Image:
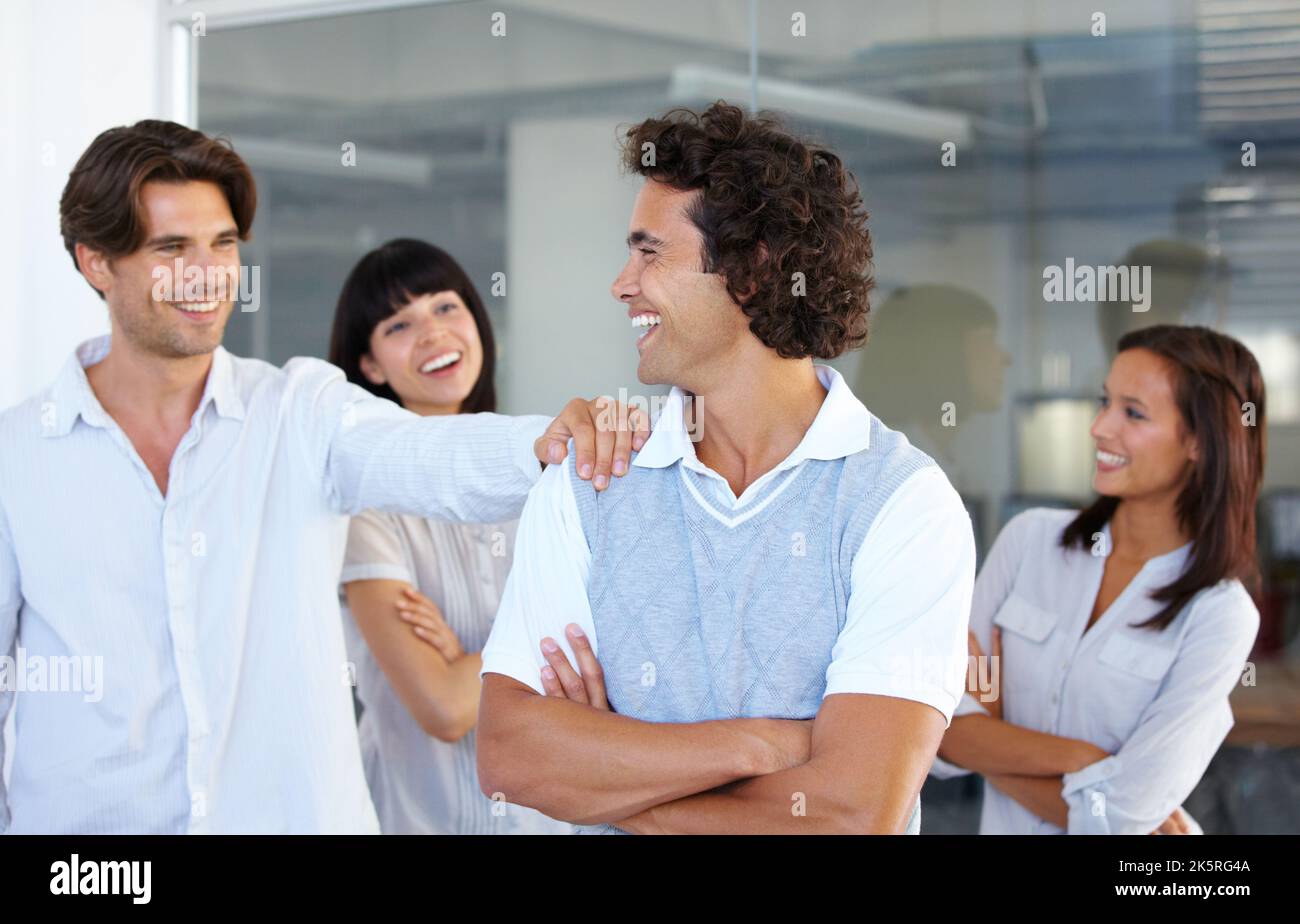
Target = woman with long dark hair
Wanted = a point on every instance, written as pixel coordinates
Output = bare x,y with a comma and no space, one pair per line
422,594
1119,631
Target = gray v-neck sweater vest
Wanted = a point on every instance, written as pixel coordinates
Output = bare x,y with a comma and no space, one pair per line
703,612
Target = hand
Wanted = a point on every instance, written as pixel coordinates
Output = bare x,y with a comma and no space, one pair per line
587,684
604,433
994,705
1177,823
425,620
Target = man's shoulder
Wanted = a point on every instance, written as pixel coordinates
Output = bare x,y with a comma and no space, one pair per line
252,376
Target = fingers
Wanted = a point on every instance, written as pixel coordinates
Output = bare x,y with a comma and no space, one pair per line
607,415
425,620
640,422
576,421
424,611
622,441
447,644
973,644
571,684
589,668
997,642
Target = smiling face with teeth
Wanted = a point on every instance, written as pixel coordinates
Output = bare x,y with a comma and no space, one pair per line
688,328
1143,446
186,221
429,352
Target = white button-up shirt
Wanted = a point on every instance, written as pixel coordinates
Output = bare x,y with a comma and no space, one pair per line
1157,701
210,616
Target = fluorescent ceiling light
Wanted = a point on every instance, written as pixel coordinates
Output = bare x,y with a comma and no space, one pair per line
692,83
322,160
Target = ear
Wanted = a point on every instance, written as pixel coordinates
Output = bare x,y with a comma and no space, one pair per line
95,266
761,257
371,370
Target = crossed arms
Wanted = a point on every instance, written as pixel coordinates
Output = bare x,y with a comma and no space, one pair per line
856,768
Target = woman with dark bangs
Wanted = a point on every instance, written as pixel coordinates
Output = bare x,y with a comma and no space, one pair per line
1118,632
422,593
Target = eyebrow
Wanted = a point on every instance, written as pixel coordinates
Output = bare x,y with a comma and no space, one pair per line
643,237
1128,398
184,239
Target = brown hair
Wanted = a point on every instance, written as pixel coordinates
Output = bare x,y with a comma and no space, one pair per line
1215,379
760,185
101,205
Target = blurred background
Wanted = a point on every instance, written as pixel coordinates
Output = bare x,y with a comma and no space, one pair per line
1171,141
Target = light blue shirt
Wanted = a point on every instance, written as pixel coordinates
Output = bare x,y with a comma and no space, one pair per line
224,702
1157,701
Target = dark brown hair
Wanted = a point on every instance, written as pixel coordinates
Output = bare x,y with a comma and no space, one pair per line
760,185
101,205
1216,382
381,284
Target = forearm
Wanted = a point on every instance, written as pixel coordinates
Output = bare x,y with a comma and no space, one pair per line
588,766
1039,794
987,745
453,697
803,800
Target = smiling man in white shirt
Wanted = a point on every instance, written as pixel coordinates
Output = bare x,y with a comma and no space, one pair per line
177,515
776,554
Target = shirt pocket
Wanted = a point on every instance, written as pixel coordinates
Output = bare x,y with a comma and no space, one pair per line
1030,622
1024,672
1131,674
1135,658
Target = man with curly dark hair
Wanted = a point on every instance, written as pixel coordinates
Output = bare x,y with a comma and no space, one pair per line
775,555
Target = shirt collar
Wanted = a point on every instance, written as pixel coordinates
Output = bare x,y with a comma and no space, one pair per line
842,427
71,395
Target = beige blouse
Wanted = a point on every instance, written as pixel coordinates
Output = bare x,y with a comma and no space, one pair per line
421,785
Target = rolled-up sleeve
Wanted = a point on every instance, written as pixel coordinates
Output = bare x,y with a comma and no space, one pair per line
371,453
1135,789
905,631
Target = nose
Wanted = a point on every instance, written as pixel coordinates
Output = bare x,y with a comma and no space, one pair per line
220,271
1102,428
627,285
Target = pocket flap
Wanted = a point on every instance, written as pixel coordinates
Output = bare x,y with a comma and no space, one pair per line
1145,659
1024,618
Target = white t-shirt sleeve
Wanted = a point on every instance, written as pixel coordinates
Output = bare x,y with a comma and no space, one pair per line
996,578
547,586
909,601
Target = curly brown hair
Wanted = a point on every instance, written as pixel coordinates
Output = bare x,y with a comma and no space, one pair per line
759,184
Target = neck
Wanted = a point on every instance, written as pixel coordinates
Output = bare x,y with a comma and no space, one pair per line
1146,527
146,385
754,413
430,410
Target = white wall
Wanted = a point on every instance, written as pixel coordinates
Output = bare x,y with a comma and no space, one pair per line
564,334
72,68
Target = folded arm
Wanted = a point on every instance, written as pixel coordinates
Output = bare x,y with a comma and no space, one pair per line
590,766
868,760
441,695
985,745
